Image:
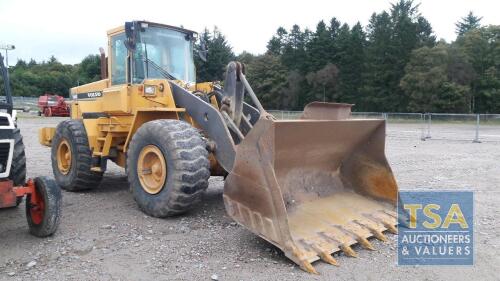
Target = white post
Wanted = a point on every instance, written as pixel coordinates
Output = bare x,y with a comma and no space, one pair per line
476,139
429,121
422,126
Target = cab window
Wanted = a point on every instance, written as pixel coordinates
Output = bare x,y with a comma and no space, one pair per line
119,59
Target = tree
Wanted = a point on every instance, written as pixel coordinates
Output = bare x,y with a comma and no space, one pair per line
379,76
275,45
467,23
268,78
319,48
428,85
219,55
245,57
324,83
89,70
350,45
489,85
482,50
293,91
293,54
391,39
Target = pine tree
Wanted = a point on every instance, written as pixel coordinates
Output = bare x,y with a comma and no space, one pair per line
379,74
392,37
351,44
275,45
319,48
219,55
467,23
294,55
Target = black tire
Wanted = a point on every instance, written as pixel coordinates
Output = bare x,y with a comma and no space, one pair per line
18,166
188,167
51,195
79,177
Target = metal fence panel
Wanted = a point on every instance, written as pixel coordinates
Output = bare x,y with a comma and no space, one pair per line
401,125
428,126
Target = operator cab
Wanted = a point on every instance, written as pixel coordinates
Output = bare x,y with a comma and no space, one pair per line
144,50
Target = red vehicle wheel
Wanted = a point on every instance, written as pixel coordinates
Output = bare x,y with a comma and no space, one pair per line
43,207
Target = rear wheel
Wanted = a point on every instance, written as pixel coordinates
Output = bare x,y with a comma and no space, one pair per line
167,167
18,166
72,157
44,213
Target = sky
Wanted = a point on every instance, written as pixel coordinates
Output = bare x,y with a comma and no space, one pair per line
70,30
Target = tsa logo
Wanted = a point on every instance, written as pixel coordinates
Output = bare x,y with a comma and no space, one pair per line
436,228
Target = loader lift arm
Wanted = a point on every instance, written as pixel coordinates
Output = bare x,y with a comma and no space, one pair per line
217,123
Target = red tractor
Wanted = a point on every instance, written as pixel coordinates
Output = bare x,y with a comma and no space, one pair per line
52,105
43,196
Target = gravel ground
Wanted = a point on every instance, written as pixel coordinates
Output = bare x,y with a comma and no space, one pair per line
104,236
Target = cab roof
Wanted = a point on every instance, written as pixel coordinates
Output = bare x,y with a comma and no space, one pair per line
121,28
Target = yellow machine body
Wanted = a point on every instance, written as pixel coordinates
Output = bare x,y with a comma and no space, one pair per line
112,113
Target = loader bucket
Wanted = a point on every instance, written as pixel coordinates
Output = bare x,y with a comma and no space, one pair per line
313,187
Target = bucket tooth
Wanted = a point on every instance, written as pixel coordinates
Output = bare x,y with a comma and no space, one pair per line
379,235
386,222
326,257
376,233
366,244
349,251
391,228
307,266
353,231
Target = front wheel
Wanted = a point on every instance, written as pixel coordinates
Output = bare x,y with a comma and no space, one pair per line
43,208
167,167
72,158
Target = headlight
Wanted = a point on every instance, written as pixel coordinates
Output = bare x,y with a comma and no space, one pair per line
150,90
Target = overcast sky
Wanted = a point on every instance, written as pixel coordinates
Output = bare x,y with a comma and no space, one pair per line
70,30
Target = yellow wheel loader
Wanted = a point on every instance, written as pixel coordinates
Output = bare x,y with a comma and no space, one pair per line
311,187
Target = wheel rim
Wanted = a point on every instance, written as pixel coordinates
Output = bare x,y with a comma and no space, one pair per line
151,169
64,157
37,209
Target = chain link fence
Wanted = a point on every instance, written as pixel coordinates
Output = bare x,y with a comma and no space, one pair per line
427,126
26,104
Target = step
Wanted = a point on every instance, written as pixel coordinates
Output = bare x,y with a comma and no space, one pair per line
96,169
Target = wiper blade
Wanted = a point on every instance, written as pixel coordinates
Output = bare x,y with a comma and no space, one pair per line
158,68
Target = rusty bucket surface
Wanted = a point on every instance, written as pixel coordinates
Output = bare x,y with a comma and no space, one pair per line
313,187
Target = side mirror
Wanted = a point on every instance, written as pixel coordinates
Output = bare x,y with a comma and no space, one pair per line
203,51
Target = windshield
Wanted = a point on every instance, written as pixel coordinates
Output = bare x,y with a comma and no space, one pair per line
168,49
